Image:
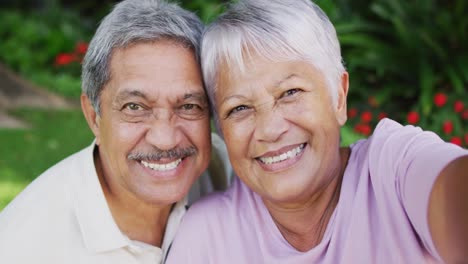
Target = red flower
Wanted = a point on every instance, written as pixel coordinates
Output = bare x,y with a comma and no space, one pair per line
81,47
357,128
64,59
382,115
366,116
372,101
458,106
456,141
465,114
363,129
413,117
447,127
440,99
352,112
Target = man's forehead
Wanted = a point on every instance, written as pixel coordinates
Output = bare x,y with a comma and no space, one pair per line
157,93
153,70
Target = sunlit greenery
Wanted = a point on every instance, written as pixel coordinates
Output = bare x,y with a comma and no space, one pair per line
25,154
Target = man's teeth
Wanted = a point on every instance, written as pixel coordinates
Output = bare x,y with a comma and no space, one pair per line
162,167
292,153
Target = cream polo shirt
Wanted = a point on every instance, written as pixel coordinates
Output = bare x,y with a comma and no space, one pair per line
63,217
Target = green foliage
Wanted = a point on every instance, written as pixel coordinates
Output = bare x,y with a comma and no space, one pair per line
27,153
207,10
63,83
401,53
31,42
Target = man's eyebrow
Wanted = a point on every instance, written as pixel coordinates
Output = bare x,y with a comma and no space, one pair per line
196,95
132,93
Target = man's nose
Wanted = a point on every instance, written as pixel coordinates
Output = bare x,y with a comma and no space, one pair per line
163,132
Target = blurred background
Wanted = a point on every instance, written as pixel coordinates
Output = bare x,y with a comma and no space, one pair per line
407,61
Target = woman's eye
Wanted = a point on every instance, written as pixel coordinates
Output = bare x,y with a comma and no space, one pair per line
290,92
237,109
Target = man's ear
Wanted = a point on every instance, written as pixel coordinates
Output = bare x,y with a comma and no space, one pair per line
91,116
341,107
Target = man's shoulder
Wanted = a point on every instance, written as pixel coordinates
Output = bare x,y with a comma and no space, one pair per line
45,199
80,160
52,180
41,217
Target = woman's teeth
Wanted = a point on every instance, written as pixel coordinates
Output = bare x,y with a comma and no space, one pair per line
290,154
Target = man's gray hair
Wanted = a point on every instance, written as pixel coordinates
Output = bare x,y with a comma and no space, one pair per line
278,30
130,22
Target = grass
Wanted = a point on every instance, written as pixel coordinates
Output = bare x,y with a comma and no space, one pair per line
25,154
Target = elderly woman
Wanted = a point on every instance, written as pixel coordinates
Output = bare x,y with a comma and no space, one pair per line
275,78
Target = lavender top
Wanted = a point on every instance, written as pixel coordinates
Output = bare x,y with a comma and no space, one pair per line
381,216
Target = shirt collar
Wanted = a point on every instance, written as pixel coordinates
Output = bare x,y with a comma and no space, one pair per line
99,230
178,211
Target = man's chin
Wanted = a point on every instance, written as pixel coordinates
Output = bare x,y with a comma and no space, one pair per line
164,195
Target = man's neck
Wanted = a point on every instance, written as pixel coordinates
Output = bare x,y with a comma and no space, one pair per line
140,221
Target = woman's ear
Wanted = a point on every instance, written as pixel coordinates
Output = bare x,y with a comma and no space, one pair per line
91,116
341,106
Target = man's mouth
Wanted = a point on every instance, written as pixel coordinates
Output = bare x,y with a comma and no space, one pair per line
161,166
283,156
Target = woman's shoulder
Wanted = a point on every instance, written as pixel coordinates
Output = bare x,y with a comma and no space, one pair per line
219,204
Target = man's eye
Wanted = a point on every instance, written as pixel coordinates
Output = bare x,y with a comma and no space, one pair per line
191,111
290,92
133,107
189,107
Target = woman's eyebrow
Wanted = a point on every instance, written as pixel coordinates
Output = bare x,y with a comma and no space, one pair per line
280,82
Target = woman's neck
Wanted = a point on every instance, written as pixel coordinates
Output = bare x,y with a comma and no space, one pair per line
303,225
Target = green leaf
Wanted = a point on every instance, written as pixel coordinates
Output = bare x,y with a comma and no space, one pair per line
381,11
431,43
427,81
455,79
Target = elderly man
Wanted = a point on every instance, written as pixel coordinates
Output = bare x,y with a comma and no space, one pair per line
121,199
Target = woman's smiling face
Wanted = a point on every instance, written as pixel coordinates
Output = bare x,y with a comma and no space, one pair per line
281,127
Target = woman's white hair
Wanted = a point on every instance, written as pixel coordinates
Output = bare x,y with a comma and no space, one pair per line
277,30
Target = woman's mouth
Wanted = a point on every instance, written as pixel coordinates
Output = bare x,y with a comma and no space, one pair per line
283,156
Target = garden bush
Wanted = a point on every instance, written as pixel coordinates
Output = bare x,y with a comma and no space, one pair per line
33,43
406,59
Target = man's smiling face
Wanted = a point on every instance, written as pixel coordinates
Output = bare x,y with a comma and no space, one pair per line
153,131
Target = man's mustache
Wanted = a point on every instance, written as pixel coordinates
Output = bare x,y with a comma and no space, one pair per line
157,154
